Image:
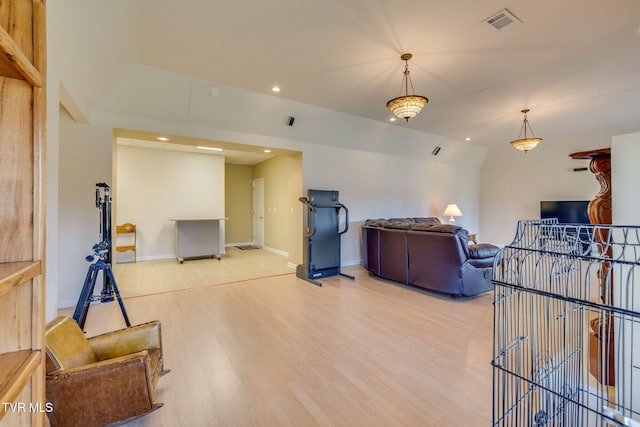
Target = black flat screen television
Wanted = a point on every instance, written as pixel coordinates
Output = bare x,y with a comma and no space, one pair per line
568,212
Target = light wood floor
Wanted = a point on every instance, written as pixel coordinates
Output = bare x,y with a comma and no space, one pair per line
279,351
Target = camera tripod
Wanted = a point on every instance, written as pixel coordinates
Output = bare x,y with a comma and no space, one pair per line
102,257
109,289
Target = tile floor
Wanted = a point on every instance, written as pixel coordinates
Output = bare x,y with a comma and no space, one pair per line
151,277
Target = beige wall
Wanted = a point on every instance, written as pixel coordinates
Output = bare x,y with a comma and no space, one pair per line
283,212
296,208
238,202
280,212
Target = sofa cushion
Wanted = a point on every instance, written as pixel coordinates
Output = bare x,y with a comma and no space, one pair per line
422,226
448,228
66,345
483,250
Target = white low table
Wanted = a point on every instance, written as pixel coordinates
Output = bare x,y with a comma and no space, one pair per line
198,238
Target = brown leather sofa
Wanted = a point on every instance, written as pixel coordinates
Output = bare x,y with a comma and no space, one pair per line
424,252
101,380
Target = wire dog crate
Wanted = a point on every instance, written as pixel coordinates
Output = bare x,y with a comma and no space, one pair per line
567,326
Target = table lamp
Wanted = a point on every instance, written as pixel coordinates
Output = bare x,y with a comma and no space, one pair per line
451,211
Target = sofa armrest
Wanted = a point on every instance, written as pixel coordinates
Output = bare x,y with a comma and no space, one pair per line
127,341
483,250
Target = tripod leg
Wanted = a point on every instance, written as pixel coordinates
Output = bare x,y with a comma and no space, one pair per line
107,293
116,291
82,307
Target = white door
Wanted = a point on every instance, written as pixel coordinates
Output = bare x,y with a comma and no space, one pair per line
258,212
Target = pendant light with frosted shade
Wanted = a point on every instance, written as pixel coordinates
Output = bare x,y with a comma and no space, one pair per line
527,142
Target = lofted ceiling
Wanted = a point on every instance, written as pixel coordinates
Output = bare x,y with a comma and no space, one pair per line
574,63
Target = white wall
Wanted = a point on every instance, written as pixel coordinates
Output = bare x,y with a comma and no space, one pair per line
87,55
91,45
85,159
374,185
514,183
156,185
625,176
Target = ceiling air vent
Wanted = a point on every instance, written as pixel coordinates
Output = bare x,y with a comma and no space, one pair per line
503,19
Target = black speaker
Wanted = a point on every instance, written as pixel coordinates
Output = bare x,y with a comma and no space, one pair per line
290,120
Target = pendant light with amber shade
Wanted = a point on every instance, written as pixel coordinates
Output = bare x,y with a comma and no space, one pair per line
407,106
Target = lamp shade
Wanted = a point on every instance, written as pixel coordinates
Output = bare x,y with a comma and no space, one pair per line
528,142
452,210
406,107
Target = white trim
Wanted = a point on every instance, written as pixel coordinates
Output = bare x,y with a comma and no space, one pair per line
292,265
276,251
70,104
155,257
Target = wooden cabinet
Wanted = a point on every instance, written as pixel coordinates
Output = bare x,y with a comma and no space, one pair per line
22,158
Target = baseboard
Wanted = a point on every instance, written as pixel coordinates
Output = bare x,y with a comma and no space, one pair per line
276,251
156,257
266,248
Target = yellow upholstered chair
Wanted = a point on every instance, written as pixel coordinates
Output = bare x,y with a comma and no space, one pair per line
101,380
127,231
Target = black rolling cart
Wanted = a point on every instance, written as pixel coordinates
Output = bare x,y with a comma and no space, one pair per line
321,250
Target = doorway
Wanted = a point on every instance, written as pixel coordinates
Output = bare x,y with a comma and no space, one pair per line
258,212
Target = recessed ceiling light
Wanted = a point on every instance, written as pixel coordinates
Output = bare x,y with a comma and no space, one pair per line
467,139
210,148
392,119
275,89
162,138
267,151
